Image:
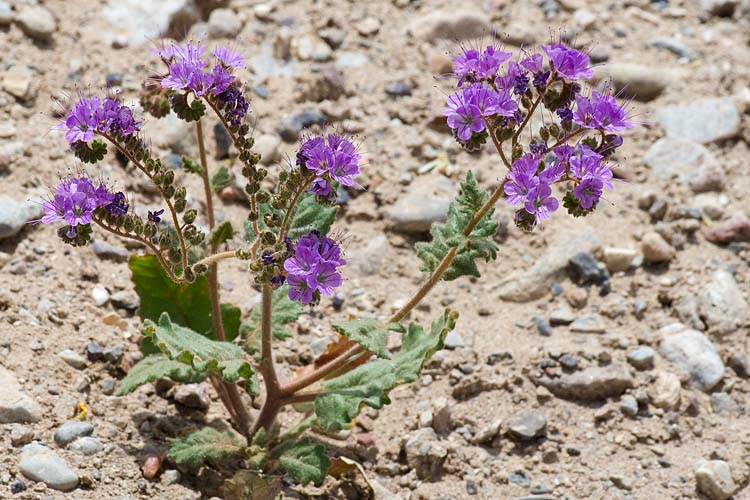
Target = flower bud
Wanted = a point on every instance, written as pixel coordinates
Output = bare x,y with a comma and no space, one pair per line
190,216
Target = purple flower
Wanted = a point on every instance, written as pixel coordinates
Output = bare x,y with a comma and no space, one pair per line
584,161
465,66
267,258
603,112
155,216
570,64
333,155
521,179
533,63
490,61
540,79
565,114
183,75
345,165
74,202
312,268
588,192
462,117
520,84
228,58
321,187
235,105
221,79
508,81
553,172
537,148
488,101
82,121
540,202
118,205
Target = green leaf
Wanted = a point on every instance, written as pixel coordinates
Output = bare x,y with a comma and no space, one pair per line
308,215
191,166
369,384
90,154
182,344
190,112
206,445
283,312
250,485
155,367
263,210
221,233
220,179
187,304
445,236
369,333
303,461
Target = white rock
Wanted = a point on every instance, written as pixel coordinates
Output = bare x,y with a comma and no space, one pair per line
224,23
18,81
73,359
713,478
702,120
450,25
665,392
36,22
656,249
620,259
692,352
16,406
100,295
267,145
722,304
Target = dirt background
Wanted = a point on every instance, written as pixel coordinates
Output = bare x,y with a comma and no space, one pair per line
588,449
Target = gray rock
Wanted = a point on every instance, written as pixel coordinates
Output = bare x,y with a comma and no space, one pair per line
686,160
291,127
193,396
425,454
692,353
562,316
723,404
222,141
702,120
310,47
713,478
351,60
267,145
675,47
86,446
21,435
620,259
740,363
170,477
73,359
18,81
14,215
15,406
665,392
398,89
686,307
450,25
72,430
592,384
586,270
367,260
636,80
224,23
453,340
425,202
629,405
722,304
135,22
656,249
487,433
39,463
533,283
527,426
441,417
36,22
104,250
125,299
642,357
591,323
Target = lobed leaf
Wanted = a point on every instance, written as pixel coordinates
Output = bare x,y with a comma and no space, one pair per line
90,154
188,304
188,111
155,367
221,233
303,461
308,215
182,344
369,384
445,236
206,446
191,166
367,332
220,179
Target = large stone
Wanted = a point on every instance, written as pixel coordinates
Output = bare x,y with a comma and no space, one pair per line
530,284
692,352
224,23
592,384
713,478
72,430
14,214
425,202
637,80
135,22
425,454
267,145
620,259
18,81
36,22
451,25
367,260
39,463
722,304
15,406
687,161
527,426
702,120
656,249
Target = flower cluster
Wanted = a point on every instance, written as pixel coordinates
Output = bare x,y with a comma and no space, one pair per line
92,115
74,201
332,158
188,70
497,94
313,268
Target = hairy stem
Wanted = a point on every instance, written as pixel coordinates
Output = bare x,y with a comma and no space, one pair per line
498,144
204,174
213,259
272,403
292,203
172,211
528,117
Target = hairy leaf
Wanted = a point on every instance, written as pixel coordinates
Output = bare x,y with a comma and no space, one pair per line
90,154
220,179
308,215
369,384
250,485
369,333
445,236
182,344
283,312
157,366
191,166
187,304
190,112
221,233
303,461
263,210
206,445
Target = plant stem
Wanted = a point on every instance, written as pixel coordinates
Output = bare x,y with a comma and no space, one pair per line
498,145
272,403
212,259
172,211
235,405
292,203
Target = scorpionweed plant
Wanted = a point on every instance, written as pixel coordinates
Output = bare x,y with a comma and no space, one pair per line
545,128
